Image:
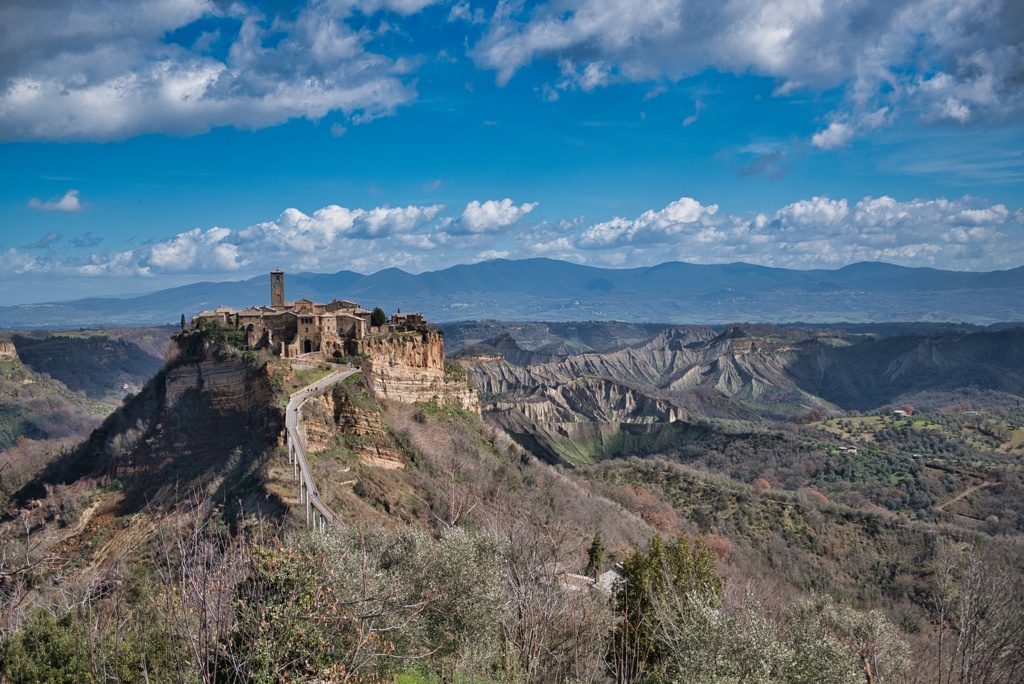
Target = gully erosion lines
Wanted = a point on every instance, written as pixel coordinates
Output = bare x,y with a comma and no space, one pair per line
317,512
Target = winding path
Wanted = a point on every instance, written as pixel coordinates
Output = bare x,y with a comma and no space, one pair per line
967,492
318,514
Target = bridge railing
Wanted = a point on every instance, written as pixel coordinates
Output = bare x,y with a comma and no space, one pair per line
318,514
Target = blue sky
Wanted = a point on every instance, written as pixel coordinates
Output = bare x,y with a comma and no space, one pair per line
150,143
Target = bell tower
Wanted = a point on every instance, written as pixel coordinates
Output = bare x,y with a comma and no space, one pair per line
277,289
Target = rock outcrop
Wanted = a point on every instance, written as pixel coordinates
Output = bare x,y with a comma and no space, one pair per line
7,349
327,416
410,367
228,384
572,421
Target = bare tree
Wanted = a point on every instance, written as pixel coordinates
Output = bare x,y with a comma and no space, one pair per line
989,644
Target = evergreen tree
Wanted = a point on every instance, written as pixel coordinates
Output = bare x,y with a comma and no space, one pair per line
378,317
675,572
595,555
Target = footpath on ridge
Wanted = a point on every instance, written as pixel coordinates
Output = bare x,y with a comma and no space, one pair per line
318,514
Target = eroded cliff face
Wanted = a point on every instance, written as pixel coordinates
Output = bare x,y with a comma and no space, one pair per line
327,416
230,385
567,410
676,360
570,422
410,367
7,349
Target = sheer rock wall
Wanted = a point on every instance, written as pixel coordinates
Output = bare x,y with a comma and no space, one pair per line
410,367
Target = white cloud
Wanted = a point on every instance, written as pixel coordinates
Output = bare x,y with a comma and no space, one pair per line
559,247
69,202
957,60
463,11
384,221
196,250
963,234
819,232
693,118
297,232
18,263
838,134
490,216
104,70
400,6
685,214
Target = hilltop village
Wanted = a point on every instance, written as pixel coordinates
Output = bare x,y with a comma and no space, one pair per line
291,329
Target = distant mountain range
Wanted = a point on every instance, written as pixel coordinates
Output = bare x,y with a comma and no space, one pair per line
550,290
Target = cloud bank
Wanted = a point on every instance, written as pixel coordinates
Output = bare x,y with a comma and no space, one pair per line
820,232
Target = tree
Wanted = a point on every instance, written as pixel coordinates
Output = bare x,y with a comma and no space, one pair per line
595,555
978,598
378,317
182,322
677,572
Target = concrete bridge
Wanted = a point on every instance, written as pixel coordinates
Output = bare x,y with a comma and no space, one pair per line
318,514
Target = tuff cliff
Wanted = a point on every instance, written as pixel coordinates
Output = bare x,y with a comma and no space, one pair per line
410,367
7,349
345,412
229,384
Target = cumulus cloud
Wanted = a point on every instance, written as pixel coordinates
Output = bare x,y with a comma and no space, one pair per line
309,233
69,202
196,250
821,232
72,71
838,134
818,232
953,60
18,263
490,216
685,214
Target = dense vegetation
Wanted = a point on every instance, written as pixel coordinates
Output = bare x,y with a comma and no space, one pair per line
105,365
40,419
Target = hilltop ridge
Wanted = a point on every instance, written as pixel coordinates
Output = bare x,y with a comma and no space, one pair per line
543,289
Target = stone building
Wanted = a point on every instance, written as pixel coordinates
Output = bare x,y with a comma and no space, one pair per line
292,329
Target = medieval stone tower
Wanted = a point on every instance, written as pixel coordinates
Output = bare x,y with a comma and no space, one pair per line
277,289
